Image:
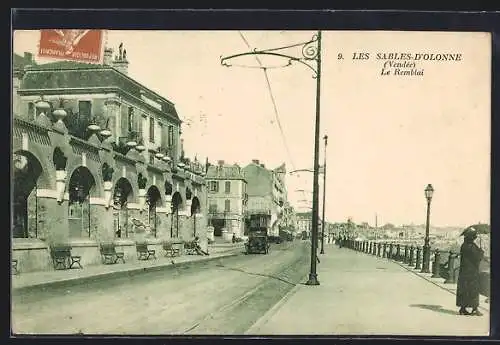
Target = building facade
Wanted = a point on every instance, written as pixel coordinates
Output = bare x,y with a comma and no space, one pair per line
97,157
304,223
267,192
227,199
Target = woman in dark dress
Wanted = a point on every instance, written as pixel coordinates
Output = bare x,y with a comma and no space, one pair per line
468,276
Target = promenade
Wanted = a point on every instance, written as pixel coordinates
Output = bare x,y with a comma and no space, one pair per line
361,294
41,279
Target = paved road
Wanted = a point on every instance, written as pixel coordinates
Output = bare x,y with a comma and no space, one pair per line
223,296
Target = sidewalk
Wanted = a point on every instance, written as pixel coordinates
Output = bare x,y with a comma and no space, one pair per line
361,294
31,280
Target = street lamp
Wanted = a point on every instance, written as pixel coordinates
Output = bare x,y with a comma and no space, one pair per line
427,248
311,51
325,138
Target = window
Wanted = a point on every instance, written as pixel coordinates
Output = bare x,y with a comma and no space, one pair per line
151,130
227,188
84,109
212,208
170,136
227,206
130,119
161,133
214,186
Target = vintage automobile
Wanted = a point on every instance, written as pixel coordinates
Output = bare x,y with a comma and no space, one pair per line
257,243
257,235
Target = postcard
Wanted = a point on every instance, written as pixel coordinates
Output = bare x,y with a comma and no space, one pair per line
250,182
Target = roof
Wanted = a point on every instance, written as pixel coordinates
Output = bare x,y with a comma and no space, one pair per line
69,74
226,171
20,62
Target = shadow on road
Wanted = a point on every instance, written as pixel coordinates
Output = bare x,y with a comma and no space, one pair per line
436,308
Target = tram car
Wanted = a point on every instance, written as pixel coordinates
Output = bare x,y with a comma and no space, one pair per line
258,242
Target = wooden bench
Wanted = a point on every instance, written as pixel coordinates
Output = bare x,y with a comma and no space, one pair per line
14,266
62,258
171,249
143,253
109,255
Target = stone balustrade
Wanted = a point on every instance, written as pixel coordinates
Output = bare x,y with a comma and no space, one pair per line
445,264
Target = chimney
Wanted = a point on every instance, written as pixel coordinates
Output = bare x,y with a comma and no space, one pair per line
108,56
28,58
255,161
220,162
120,62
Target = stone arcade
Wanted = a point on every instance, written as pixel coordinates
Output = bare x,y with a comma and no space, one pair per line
86,170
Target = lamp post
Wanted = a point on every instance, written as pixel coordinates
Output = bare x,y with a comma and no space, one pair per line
311,51
325,138
427,248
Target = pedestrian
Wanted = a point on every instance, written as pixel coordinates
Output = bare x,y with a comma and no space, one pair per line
197,247
234,238
468,284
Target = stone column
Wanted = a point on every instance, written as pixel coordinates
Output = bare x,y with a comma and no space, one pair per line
142,198
201,231
52,218
108,193
60,184
101,221
165,214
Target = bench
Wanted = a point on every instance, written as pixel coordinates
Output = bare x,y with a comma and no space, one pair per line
171,249
14,266
143,253
62,258
109,255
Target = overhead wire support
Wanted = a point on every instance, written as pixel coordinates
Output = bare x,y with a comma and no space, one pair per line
311,51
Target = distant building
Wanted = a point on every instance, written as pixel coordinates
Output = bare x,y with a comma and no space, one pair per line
267,192
227,198
304,223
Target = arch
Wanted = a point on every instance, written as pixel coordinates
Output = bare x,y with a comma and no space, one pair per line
177,204
177,201
195,206
36,167
153,199
122,194
27,171
153,196
81,186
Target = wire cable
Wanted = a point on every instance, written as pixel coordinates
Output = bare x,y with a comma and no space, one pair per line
273,100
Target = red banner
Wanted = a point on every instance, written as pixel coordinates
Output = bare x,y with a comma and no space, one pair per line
77,45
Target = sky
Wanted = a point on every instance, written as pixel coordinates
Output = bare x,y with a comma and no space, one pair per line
388,136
